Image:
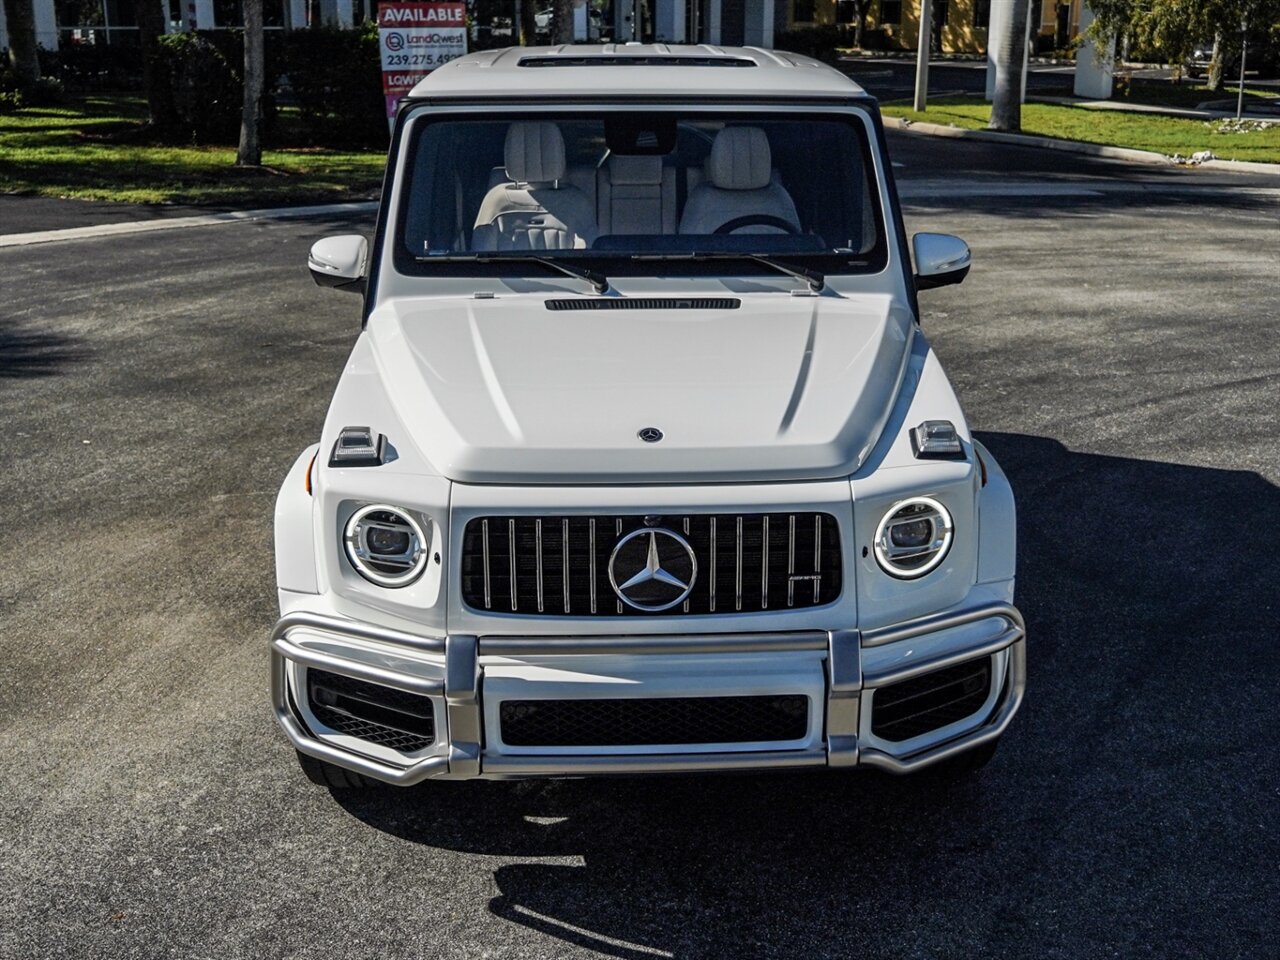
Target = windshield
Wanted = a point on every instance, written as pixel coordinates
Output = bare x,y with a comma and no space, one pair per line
672,192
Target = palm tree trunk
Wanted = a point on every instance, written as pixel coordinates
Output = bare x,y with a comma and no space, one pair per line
20,20
1011,48
250,152
150,17
562,21
1215,67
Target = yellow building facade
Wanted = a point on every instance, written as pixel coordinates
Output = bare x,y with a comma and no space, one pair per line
895,24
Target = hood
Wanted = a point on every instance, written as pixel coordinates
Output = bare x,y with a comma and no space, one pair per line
507,391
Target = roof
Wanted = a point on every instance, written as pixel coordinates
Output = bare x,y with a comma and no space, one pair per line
630,69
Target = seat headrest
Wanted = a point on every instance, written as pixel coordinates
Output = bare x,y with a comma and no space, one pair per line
534,152
740,159
634,171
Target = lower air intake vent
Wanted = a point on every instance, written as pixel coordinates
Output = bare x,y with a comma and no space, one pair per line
629,723
646,303
370,711
913,707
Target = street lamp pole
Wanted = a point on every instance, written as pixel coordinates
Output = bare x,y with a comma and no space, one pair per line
1244,49
922,55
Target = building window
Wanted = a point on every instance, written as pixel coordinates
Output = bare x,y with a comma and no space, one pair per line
940,13
982,14
890,12
802,11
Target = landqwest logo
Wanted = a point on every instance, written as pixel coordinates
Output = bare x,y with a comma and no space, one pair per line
395,41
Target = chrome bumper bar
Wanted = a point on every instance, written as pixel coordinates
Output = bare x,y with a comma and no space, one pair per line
458,660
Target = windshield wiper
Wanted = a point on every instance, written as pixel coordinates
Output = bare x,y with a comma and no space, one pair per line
816,281
597,280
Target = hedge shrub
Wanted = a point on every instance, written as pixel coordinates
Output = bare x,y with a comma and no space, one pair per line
335,78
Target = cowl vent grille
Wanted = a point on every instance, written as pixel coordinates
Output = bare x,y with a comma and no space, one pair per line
646,303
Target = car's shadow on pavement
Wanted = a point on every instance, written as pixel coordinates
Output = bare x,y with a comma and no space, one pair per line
1136,778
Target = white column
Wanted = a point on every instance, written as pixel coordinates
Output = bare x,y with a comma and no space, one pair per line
753,24
1093,63
580,26
670,17
1001,13
713,22
295,14
766,39
47,24
4,30
200,14
336,12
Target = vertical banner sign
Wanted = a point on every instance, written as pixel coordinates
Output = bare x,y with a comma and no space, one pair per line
415,38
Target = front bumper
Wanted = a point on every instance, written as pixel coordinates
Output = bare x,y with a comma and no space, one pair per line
466,678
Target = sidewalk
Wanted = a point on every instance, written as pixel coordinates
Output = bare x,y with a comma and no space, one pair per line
19,214
1269,114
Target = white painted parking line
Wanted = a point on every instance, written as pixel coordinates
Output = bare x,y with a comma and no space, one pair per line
182,223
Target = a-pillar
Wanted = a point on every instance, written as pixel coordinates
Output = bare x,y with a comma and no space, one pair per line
1001,14
1093,63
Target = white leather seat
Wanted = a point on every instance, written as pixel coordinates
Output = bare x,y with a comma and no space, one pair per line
740,183
537,209
636,195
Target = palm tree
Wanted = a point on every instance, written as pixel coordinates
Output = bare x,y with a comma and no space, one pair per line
1011,44
20,20
562,21
250,152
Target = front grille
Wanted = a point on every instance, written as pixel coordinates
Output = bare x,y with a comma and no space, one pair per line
559,566
370,711
912,707
629,723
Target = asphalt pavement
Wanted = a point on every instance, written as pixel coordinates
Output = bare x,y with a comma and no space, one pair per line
1115,345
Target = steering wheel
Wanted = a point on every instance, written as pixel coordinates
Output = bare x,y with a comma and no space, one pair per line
758,220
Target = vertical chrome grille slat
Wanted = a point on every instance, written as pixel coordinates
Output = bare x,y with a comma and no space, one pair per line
534,585
817,557
764,564
537,527
591,540
488,595
713,564
738,577
511,548
564,541
791,560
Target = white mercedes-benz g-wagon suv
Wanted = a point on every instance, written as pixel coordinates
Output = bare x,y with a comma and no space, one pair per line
641,462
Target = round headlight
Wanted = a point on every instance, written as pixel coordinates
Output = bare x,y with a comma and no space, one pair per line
913,537
386,545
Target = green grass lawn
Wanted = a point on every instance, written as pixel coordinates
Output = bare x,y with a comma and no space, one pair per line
1167,135
1186,95
89,149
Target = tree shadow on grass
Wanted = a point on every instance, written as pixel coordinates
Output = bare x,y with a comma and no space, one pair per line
1136,778
29,352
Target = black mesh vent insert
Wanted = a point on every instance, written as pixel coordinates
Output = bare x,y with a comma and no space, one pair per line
745,563
645,303
627,723
370,711
913,707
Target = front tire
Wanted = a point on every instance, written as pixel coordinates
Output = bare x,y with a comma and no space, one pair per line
332,776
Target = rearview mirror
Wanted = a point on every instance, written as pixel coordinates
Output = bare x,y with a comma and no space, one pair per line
340,262
941,259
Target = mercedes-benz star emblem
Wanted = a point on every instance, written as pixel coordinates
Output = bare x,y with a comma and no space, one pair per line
650,434
653,569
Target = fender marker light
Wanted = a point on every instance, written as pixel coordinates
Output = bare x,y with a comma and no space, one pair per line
936,440
358,447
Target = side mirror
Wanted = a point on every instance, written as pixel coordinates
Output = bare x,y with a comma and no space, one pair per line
941,259
340,262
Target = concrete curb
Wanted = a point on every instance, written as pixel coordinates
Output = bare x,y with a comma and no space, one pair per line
182,223
1075,146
